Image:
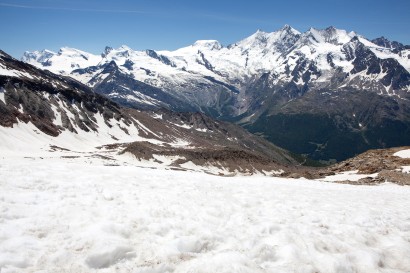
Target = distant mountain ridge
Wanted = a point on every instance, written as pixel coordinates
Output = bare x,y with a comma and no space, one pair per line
273,84
39,108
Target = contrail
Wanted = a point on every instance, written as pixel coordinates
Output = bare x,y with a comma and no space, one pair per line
74,9
191,14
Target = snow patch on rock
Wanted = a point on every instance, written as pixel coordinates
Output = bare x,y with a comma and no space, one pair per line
403,153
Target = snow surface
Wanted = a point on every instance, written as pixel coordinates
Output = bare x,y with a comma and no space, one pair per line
403,153
349,175
76,215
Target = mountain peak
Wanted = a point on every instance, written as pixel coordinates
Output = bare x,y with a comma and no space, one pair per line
208,44
124,47
330,29
67,49
288,29
257,39
107,51
393,45
259,32
330,35
110,67
37,56
382,38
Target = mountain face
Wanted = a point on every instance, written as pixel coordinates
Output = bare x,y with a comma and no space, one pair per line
396,47
334,86
39,106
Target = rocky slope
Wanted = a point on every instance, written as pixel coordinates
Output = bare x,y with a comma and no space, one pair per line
384,162
326,82
372,167
40,104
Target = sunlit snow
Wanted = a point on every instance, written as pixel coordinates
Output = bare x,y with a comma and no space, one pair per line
79,214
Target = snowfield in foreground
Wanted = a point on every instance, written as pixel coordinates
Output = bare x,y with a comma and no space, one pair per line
82,215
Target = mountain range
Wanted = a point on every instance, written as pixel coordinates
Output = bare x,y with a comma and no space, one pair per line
327,93
41,112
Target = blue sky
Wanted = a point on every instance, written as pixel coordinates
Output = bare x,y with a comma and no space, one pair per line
142,24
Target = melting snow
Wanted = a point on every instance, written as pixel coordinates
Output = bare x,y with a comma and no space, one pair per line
157,116
167,160
349,175
13,73
403,153
185,126
2,91
180,143
406,169
202,130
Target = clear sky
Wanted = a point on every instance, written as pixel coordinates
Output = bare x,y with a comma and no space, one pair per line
90,25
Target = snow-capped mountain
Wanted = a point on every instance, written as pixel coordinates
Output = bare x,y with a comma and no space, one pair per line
66,60
254,78
44,111
310,58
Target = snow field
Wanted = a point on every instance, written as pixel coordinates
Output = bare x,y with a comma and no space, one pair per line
71,215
